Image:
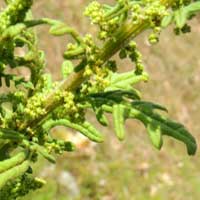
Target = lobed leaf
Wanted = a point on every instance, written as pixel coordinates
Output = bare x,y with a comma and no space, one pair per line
161,125
83,127
125,80
158,125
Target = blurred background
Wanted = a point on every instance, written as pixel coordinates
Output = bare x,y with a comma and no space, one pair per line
131,169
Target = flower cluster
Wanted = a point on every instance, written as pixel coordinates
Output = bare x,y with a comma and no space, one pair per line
134,54
20,187
59,146
101,16
35,106
14,13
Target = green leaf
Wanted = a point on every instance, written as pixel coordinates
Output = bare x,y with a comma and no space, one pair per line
89,131
13,173
13,161
10,134
27,84
125,80
167,20
83,127
112,96
44,153
59,29
13,31
158,125
165,126
193,8
100,116
47,79
148,106
155,135
180,17
119,115
184,13
67,68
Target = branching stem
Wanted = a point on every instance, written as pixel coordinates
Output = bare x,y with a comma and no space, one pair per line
124,34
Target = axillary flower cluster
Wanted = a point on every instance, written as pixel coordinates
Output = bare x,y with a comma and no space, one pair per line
29,109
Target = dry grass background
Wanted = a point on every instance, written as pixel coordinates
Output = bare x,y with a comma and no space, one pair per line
132,169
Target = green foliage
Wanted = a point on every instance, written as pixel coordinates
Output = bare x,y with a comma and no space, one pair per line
20,187
180,16
32,107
